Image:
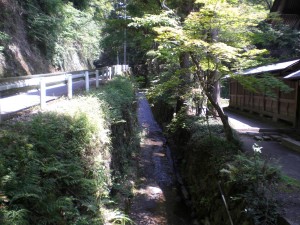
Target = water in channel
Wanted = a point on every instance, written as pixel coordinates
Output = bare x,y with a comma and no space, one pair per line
157,201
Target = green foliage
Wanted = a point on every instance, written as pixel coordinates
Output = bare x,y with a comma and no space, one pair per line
80,4
139,7
165,87
265,84
55,166
141,81
119,96
256,181
266,4
289,181
201,145
138,42
214,39
120,218
116,31
4,38
79,33
280,39
247,180
63,28
43,28
53,170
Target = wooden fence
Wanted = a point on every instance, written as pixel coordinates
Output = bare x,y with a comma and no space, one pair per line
44,81
282,106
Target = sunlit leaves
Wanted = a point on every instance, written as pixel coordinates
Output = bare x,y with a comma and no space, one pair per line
266,84
169,34
166,18
62,29
232,22
166,86
223,51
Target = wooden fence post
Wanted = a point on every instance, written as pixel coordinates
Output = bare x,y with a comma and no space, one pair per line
87,81
42,93
97,78
70,86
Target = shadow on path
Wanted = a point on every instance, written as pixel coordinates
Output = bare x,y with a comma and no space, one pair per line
157,199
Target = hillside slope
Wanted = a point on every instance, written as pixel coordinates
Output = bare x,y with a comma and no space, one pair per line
39,38
18,57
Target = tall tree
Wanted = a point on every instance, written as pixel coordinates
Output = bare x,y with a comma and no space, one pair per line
217,40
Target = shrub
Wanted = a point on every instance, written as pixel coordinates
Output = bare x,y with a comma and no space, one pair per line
119,96
209,164
254,181
55,166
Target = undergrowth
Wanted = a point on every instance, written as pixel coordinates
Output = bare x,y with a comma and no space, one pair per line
224,183
56,166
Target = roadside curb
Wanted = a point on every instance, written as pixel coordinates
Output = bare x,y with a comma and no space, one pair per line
284,221
291,144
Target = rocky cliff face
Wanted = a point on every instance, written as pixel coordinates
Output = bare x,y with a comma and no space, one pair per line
20,56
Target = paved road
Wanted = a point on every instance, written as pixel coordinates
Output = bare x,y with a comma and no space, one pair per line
16,103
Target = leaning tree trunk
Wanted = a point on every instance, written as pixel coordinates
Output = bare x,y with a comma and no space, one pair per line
223,117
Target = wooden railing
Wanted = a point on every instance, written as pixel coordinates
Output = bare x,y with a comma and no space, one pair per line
44,81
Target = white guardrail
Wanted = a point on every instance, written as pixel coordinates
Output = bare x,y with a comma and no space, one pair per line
44,81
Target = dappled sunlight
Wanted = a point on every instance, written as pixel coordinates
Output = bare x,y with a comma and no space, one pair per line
237,124
156,196
151,192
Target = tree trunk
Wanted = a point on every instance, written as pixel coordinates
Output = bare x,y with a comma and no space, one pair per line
215,74
223,117
184,62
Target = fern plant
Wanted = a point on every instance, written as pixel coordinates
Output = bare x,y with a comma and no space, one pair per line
55,166
48,175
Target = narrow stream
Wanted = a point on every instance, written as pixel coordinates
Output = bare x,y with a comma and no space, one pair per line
157,200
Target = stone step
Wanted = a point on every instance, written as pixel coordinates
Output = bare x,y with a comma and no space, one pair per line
291,144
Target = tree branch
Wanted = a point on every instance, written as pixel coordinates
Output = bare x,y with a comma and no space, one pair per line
164,6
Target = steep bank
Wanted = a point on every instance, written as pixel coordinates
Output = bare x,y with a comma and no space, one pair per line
62,165
19,56
47,36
